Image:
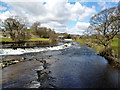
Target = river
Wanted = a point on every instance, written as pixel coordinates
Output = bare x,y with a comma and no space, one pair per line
70,65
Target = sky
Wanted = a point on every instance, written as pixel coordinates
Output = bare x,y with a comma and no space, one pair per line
64,16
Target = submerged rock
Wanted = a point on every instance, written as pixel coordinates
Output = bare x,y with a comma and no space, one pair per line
35,84
40,68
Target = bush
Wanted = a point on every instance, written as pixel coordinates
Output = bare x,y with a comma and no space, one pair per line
106,52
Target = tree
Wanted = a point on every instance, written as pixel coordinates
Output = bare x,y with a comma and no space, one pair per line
1,25
35,26
88,31
16,27
106,24
68,36
42,32
52,35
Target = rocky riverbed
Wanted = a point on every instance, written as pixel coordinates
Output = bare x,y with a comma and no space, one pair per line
24,71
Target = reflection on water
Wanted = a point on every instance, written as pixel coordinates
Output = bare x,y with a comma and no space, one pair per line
81,67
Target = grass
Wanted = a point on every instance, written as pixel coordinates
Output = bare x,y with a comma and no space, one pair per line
115,45
39,39
32,39
2,39
100,48
92,43
115,42
28,30
80,40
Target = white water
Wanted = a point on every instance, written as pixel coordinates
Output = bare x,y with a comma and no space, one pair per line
19,51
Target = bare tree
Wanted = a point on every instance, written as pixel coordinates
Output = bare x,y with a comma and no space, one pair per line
88,31
1,24
106,24
16,27
35,26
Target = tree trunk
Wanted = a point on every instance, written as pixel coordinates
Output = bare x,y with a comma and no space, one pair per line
105,47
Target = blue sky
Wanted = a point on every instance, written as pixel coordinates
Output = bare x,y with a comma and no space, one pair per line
4,5
60,15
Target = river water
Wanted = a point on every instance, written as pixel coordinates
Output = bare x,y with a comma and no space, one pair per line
71,66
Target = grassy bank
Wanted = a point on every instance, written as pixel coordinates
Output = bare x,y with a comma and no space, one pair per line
111,54
39,39
31,39
2,39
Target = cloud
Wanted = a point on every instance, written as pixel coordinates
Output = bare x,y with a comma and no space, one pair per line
55,25
53,14
82,11
79,28
115,1
5,15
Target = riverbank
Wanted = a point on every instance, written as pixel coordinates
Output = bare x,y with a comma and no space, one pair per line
28,44
111,54
3,39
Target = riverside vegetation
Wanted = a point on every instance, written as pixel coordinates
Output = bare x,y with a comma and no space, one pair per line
14,30
111,53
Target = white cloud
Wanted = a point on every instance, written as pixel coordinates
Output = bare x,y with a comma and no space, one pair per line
79,28
5,15
103,5
115,1
54,14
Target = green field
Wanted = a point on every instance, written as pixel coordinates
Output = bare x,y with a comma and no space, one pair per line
98,48
80,40
115,45
39,39
2,39
32,39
